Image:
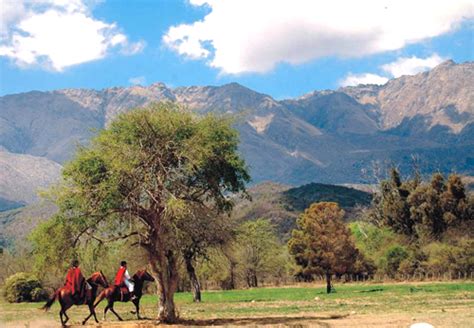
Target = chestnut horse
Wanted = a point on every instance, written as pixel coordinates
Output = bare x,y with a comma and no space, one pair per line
66,300
114,294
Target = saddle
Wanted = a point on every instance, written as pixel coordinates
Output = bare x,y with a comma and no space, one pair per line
82,297
124,293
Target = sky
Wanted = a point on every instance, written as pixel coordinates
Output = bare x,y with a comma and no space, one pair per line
284,48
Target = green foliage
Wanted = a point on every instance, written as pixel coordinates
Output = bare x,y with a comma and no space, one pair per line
254,256
215,269
23,287
392,258
449,258
123,172
258,250
372,240
53,255
379,246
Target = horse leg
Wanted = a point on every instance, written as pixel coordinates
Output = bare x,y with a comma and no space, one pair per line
91,312
95,315
87,318
106,309
113,311
137,307
62,313
65,305
67,318
61,317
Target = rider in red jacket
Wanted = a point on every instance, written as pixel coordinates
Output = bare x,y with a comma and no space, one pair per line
122,278
75,281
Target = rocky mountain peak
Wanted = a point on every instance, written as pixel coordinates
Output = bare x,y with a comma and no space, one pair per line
326,136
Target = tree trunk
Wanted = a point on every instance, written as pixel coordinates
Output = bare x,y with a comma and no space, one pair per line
252,280
255,280
328,283
195,286
165,272
232,275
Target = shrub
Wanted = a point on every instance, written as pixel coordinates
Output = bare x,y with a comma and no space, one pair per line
444,257
23,287
39,295
392,259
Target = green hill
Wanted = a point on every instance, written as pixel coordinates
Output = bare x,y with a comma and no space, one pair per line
283,204
301,197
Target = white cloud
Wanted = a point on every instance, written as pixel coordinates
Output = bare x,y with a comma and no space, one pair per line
402,66
133,48
412,65
10,11
239,36
365,78
137,80
57,34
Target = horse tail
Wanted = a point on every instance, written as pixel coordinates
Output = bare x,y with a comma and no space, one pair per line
51,301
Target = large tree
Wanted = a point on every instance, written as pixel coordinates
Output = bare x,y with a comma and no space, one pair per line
321,243
148,176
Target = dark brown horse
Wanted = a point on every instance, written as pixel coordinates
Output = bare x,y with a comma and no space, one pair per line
65,298
114,294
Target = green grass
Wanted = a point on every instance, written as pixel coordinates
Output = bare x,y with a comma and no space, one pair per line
441,300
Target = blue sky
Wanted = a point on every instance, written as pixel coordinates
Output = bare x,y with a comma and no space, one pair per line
282,48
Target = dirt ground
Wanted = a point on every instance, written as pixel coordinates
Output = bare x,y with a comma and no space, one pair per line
437,319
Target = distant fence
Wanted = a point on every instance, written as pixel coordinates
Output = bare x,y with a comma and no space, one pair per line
418,276
399,277
352,278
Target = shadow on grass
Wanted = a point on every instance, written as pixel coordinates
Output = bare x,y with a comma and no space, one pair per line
371,290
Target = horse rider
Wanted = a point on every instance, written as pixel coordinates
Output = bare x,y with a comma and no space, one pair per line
75,281
122,278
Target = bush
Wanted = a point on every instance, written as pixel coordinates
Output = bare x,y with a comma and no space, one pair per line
444,257
39,295
23,287
392,259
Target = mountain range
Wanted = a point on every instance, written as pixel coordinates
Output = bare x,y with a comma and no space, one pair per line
330,136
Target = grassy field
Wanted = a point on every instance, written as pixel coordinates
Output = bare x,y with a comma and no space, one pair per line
364,305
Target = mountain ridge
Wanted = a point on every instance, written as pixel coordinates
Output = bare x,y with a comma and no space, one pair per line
327,136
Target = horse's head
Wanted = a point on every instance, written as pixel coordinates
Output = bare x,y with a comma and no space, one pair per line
99,278
143,275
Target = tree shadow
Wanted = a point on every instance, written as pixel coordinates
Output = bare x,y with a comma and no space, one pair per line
294,321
